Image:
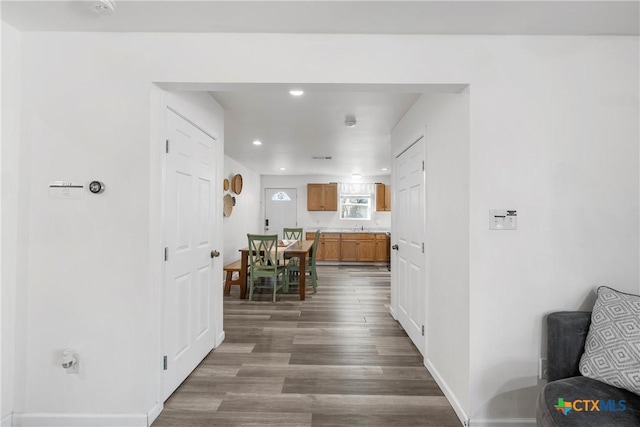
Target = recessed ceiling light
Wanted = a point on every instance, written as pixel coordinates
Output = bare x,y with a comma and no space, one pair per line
296,92
282,169
257,142
356,176
385,169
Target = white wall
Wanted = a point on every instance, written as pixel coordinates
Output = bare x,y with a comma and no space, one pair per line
444,121
91,285
311,220
553,133
247,213
567,159
10,156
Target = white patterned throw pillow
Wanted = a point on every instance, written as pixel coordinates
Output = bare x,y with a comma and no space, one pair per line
612,349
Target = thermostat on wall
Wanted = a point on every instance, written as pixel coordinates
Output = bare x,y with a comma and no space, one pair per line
96,187
503,219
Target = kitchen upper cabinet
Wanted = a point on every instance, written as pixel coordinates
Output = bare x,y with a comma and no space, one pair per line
322,197
383,197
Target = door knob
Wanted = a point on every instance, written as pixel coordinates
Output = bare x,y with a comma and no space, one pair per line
215,254
394,247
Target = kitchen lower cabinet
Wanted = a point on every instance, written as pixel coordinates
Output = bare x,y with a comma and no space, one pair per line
382,247
328,246
357,247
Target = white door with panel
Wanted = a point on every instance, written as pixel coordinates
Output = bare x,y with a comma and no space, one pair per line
280,210
409,238
189,227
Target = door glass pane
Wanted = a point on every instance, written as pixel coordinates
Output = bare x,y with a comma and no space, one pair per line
281,196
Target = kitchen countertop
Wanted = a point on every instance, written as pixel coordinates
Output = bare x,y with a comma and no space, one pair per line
348,230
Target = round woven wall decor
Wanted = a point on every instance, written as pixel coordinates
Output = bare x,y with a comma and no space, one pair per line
227,202
236,184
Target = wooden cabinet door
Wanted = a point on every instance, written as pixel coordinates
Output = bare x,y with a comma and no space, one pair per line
382,247
366,249
332,248
383,197
380,200
348,249
330,196
387,197
322,197
320,254
315,196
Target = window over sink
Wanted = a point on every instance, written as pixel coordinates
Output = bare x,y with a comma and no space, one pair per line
356,201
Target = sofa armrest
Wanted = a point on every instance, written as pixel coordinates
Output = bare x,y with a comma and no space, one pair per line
566,334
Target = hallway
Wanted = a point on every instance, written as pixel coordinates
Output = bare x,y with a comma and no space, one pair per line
336,359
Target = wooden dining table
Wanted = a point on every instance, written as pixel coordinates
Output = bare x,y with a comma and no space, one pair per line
300,250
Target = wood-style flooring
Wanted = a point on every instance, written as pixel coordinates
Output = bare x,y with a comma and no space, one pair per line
336,359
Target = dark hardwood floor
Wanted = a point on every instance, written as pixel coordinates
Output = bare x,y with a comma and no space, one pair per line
336,359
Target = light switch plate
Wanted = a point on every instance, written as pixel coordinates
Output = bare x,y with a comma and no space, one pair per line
503,219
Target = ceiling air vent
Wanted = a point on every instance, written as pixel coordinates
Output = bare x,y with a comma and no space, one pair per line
322,157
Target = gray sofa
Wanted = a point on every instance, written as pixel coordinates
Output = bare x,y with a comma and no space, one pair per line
567,332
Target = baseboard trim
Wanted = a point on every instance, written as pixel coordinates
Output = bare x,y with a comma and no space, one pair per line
7,421
451,397
392,312
79,420
220,339
511,422
154,413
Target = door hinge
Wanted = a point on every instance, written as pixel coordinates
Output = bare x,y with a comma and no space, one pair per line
422,332
164,359
422,164
167,147
166,254
422,247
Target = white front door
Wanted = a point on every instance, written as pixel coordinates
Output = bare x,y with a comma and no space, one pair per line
189,228
280,210
409,236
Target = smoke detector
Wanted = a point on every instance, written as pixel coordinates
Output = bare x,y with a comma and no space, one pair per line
104,7
350,121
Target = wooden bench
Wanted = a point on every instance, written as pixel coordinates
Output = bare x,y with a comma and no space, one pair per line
229,269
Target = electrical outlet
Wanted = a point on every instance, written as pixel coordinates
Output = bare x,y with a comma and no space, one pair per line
542,369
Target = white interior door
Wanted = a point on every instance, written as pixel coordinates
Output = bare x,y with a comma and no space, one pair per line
189,228
409,236
280,209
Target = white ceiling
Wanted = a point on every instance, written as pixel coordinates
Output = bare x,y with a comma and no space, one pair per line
293,130
339,16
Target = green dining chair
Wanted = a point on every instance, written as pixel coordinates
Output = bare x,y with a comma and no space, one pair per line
292,234
264,270
310,264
